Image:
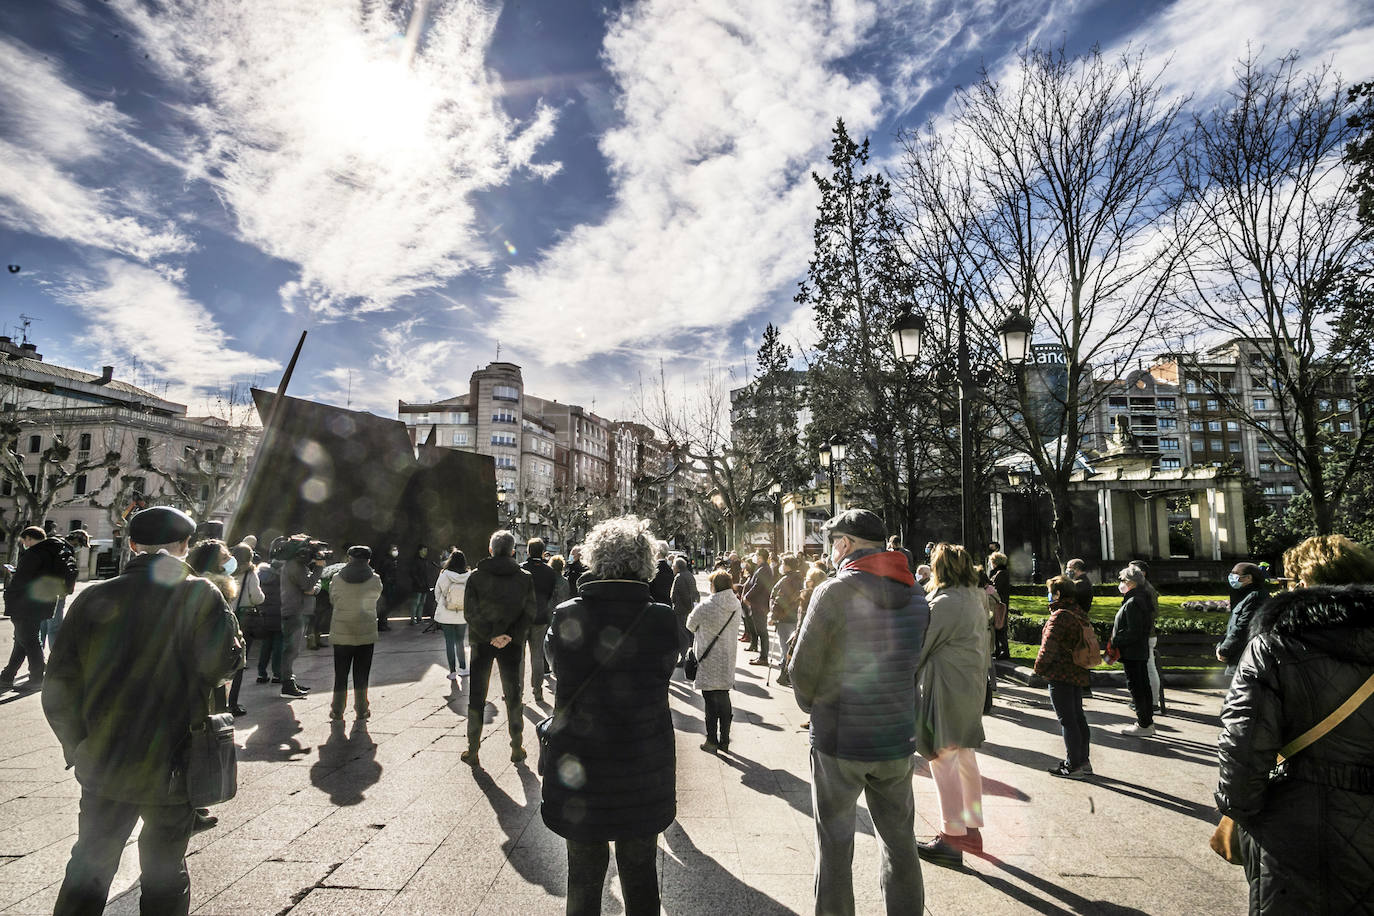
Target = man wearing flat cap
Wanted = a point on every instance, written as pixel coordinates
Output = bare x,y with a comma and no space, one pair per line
854,669
132,672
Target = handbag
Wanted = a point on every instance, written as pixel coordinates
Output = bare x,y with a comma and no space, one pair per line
691,664
543,729
212,761
1225,840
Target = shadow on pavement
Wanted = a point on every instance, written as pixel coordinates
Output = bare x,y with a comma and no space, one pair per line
1073,903
348,764
1204,813
781,784
514,817
274,738
713,885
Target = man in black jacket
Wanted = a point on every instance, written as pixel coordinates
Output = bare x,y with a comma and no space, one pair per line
40,578
499,604
544,578
575,569
133,670
756,594
661,586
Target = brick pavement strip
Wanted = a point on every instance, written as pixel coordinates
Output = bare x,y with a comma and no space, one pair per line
381,817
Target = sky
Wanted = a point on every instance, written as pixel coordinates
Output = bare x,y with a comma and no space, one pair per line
596,190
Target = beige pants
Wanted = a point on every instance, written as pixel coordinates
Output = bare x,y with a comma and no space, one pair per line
959,788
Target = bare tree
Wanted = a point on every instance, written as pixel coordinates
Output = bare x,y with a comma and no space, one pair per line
1279,256
1056,188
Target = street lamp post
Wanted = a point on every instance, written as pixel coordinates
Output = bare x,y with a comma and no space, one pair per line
775,491
1027,484
1015,334
831,455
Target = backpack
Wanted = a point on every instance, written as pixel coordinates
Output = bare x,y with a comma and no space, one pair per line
65,566
1089,654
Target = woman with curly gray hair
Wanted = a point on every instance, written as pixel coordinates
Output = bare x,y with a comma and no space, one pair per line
609,765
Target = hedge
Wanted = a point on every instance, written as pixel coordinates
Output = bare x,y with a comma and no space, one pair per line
1188,587
1027,627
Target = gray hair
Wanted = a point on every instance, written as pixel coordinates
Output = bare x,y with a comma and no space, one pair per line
1132,574
661,548
502,543
620,548
679,565
1076,565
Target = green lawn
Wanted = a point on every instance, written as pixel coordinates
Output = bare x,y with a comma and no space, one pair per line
1104,611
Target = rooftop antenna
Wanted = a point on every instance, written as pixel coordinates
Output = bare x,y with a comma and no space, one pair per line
498,350
348,404
26,320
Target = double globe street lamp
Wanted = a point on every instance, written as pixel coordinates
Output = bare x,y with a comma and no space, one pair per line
831,456
907,338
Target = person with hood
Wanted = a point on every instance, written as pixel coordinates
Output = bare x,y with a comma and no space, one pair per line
499,604
712,622
448,612
1248,591
951,676
538,568
1303,826
1131,637
854,671
133,670
1061,635
40,577
755,595
355,590
661,586
683,596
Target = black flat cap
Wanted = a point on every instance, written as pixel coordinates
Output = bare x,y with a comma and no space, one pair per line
859,523
161,525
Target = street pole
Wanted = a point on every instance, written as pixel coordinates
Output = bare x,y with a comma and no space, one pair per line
966,395
831,469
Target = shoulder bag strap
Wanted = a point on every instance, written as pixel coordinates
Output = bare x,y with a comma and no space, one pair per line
597,670
712,644
1330,722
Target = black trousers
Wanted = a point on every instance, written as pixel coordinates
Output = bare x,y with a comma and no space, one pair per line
1067,700
104,828
1001,643
1138,679
357,659
26,646
760,619
508,661
637,861
719,714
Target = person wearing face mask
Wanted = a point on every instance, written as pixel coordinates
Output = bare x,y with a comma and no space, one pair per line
134,667
1131,637
387,563
1247,594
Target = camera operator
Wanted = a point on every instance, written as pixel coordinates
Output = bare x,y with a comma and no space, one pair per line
300,583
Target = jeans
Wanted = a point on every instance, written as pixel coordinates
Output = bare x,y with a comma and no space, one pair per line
357,659
271,649
886,786
508,662
1156,685
1138,679
47,629
27,646
637,861
1067,700
417,607
785,630
104,827
959,790
719,714
455,635
291,630
535,640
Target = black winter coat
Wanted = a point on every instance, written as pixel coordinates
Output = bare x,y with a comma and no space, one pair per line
1131,628
498,599
661,588
1308,833
544,578
610,769
39,580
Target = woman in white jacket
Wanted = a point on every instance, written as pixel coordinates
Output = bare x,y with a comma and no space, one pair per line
716,620
448,612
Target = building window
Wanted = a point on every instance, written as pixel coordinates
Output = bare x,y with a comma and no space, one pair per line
1287,489
6,488
1166,403
1324,404
1195,425
1168,464
1270,489
1266,467
505,393
1190,386
502,439
1232,426
1214,444
35,443
79,486
1234,445
1197,445
504,416
1167,423
1345,426
142,444
460,437
1213,404
1194,404
1214,426
1116,402
84,442
1263,446
1342,403
1168,443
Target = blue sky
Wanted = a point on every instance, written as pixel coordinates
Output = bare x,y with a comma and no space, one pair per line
602,188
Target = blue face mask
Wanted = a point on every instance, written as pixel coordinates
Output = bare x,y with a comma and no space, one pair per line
1049,596
1233,580
230,565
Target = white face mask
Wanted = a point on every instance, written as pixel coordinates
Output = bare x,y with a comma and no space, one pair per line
1123,587
230,565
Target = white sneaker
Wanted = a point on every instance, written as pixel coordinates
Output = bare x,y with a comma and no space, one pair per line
453,675
1139,731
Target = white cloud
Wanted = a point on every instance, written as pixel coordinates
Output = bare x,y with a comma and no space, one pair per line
333,150
134,314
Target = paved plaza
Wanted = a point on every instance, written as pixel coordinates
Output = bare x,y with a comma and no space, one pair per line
382,817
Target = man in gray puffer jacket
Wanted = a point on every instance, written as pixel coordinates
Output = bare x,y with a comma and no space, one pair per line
854,670
300,583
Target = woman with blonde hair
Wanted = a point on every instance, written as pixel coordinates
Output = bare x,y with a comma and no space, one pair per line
951,673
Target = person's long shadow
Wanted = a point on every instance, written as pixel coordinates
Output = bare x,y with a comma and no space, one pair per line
686,866
348,765
514,817
275,737
781,783
1205,813
1072,903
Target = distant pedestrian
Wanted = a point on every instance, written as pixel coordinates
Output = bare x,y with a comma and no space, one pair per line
269,654
756,594
1248,591
854,670
1000,578
133,671
387,563
1077,573
1131,637
1150,595
562,591
951,675
499,605
40,578
922,575
895,543
661,586
250,598
355,590
712,622
576,569
1304,825
684,596
610,773
1061,635
448,612
538,568
300,583
784,603
419,576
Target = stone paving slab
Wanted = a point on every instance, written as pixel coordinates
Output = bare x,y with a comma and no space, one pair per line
380,816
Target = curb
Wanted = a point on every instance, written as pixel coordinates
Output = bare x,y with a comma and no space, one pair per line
1024,674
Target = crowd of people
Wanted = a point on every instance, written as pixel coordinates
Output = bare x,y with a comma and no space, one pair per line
891,659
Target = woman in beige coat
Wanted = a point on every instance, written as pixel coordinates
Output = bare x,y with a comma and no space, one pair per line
952,678
353,591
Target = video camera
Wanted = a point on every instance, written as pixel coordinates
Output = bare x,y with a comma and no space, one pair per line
302,547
